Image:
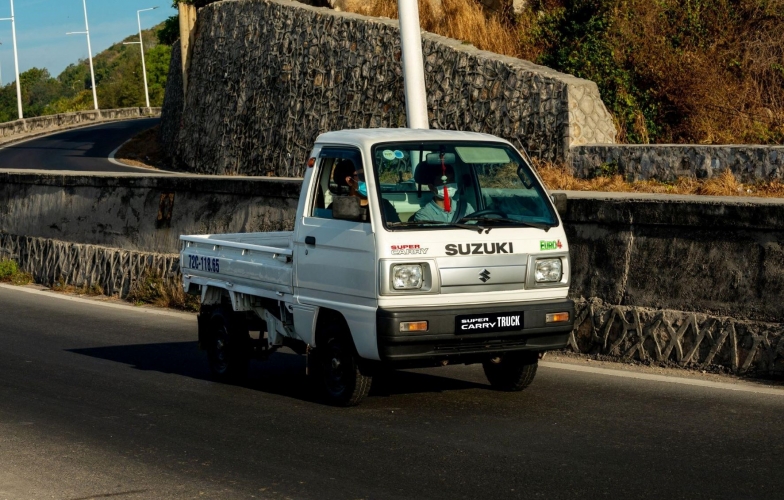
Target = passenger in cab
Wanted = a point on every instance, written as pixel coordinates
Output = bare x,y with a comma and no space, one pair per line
346,174
436,179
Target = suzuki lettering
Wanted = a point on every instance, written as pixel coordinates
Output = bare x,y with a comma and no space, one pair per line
479,248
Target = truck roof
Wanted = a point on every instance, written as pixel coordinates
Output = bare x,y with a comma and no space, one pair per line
363,137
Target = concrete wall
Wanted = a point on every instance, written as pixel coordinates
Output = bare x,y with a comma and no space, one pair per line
29,127
268,76
689,281
665,162
141,212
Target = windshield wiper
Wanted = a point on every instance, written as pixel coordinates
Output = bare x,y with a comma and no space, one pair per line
485,218
471,227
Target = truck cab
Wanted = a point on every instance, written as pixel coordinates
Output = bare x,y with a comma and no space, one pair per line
411,248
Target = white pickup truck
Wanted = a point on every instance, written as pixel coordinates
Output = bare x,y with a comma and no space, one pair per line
455,254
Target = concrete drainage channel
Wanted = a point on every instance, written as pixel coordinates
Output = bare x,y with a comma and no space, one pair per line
693,282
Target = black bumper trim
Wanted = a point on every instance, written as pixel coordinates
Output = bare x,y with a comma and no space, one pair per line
440,342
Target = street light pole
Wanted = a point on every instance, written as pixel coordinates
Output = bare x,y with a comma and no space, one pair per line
16,61
89,52
141,45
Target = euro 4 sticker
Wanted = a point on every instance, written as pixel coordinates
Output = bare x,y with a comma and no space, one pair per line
550,245
408,250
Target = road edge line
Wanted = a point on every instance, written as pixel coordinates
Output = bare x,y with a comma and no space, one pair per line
740,387
128,307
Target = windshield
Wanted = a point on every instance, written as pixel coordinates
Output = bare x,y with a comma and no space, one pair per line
426,185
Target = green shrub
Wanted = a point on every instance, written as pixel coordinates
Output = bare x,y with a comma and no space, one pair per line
10,273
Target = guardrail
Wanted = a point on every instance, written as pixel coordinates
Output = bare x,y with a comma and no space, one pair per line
30,127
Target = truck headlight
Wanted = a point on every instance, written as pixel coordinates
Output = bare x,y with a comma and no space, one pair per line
407,276
548,270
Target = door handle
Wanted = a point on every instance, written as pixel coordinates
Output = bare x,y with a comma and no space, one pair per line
310,240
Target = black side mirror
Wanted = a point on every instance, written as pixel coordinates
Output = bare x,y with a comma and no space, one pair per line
348,208
559,200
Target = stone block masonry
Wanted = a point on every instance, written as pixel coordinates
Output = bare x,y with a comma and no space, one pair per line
268,76
666,162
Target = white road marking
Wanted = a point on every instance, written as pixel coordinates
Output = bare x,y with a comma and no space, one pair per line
116,161
741,386
124,307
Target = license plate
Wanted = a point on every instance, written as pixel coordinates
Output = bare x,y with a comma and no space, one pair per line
489,322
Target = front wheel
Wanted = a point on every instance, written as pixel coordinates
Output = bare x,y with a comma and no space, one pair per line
337,374
513,371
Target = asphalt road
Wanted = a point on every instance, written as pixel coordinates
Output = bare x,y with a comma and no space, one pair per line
84,149
99,402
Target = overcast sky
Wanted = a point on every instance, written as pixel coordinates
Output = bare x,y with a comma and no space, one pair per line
41,26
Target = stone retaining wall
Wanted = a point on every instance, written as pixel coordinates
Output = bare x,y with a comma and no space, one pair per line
706,254
267,76
27,127
666,162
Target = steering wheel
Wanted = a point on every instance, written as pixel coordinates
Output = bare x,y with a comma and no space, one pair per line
488,211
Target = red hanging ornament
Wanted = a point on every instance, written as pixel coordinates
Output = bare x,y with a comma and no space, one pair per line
447,201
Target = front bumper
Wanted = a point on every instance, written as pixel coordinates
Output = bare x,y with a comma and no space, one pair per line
441,342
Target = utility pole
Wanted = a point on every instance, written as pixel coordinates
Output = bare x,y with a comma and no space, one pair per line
187,24
141,44
413,66
16,61
89,52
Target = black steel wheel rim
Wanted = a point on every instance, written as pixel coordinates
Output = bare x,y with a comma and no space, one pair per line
335,365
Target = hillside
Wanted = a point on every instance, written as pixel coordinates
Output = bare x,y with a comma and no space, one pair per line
697,71
118,78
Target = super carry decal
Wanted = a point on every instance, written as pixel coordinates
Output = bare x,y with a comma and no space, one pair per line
479,248
550,245
482,323
408,250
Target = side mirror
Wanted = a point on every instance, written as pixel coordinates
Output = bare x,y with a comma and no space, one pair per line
348,208
559,200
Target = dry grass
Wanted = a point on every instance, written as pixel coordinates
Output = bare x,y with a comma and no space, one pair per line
459,19
154,290
143,150
557,177
93,290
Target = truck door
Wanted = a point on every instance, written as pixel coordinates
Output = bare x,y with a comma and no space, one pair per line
335,259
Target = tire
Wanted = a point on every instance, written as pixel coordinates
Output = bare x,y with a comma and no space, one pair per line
228,346
336,372
513,372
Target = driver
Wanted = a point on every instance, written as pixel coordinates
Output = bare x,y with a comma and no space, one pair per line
433,176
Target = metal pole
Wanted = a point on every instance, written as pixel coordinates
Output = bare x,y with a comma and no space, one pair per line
144,68
90,54
141,45
16,64
413,66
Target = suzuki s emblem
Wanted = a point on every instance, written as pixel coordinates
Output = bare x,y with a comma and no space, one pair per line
484,276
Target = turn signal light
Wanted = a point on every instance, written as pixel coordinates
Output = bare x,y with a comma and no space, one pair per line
413,326
311,162
557,317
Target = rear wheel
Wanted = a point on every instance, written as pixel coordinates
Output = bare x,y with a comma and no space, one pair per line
228,346
513,371
336,371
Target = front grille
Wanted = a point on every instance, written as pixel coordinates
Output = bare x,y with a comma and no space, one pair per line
478,345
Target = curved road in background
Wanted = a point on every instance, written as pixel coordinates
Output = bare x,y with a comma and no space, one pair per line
85,149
